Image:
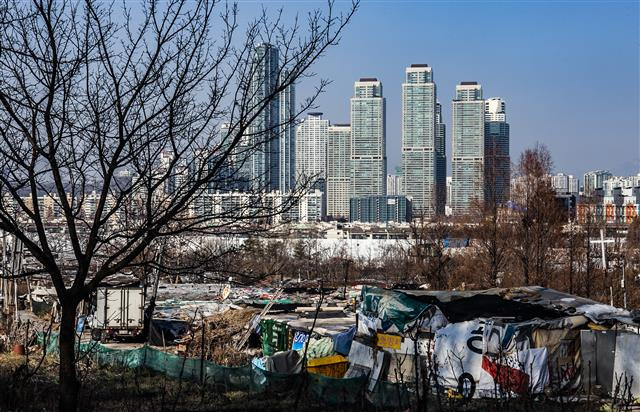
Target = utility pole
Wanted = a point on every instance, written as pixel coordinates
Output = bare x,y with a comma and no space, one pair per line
346,277
604,256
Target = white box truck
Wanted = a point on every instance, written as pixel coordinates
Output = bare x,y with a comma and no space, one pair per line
119,312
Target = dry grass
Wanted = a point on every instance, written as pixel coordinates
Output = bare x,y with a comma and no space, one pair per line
118,389
140,390
222,331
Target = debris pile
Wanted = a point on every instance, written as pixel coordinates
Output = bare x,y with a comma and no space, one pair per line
218,334
397,344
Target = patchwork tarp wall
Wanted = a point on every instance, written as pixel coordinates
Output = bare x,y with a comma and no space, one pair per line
565,360
481,359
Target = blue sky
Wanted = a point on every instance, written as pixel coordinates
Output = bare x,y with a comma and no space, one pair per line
568,70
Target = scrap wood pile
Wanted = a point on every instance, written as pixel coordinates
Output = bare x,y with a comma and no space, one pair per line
221,332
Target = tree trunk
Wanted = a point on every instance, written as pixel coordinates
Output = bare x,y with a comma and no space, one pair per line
525,271
571,268
589,268
69,385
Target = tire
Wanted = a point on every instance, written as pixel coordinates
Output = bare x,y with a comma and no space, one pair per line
466,385
96,334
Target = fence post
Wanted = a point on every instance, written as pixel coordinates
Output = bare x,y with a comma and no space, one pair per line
202,377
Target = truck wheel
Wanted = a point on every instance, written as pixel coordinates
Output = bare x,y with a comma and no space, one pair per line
96,334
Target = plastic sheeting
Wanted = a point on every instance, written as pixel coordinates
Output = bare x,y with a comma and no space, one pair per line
342,341
284,362
167,330
319,347
365,361
274,336
464,365
397,312
565,361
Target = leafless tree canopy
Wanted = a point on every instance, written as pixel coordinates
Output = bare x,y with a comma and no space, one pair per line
107,104
536,214
104,101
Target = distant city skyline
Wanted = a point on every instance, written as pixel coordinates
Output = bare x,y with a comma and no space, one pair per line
550,60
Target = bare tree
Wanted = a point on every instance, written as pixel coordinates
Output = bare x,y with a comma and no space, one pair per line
427,251
492,240
492,234
258,260
536,215
116,116
632,256
588,228
633,234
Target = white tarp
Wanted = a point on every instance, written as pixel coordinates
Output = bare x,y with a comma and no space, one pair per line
366,360
463,364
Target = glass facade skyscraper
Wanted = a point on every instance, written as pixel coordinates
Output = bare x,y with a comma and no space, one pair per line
264,132
338,170
311,150
441,161
422,141
287,137
497,164
368,139
467,174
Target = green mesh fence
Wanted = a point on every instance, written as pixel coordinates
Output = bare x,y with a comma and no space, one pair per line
249,378
392,395
336,391
263,381
48,342
228,378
